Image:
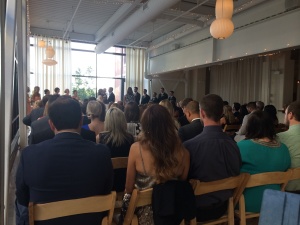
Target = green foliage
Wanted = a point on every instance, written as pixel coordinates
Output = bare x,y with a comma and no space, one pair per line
82,84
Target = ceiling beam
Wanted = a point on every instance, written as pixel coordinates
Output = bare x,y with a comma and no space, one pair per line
115,19
182,20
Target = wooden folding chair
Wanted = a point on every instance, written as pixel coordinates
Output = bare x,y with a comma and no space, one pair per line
237,184
231,127
119,163
295,173
260,179
138,199
94,204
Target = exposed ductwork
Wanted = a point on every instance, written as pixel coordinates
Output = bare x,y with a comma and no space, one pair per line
145,13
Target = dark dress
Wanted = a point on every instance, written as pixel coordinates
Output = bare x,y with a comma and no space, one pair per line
118,151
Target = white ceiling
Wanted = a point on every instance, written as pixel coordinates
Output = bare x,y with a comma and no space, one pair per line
93,20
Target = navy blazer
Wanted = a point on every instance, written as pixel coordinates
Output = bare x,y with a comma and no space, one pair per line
65,167
191,130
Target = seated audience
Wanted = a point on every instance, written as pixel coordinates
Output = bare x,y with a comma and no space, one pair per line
260,105
182,119
94,110
195,126
167,104
261,152
272,112
214,156
236,111
118,140
155,158
291,139
65,167
132,115
240,135
41,131
228,117
36,113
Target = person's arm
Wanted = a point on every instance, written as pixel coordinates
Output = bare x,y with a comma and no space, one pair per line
22,190
242,130
186,165
27,120
131,169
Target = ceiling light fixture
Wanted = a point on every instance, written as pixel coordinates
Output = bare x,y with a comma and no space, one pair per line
49,54
222,27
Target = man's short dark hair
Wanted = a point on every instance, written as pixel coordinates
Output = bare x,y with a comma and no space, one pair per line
294,107
45,99
185,101
251,105
193,107
65,113
236,106
212,105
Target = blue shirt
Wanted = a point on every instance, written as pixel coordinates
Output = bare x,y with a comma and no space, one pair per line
214,156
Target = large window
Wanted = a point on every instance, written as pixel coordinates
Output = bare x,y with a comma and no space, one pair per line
91,72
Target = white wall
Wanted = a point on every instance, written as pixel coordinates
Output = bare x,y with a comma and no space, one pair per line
273,33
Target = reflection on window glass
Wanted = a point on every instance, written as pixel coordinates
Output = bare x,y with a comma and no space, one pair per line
109,65
83,63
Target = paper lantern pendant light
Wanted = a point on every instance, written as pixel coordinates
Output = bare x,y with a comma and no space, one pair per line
221,28
41,44
49,54
224,9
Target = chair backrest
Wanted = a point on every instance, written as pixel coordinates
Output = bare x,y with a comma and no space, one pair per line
295,173
94,204
119,162
231,127
236,183
260,179
138,199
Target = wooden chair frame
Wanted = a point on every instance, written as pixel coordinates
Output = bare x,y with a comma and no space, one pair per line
295,173
119,163
229,127
138,199
260,179
237,184
94,204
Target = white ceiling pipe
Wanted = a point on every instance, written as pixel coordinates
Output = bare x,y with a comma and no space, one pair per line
144,14
116,18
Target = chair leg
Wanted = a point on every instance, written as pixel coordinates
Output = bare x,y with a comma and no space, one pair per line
134,220
230,212
242,211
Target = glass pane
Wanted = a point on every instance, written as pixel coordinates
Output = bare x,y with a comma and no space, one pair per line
109,65
114,83
85,86
83,46
83,63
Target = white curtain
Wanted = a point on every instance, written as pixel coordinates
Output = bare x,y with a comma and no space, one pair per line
59,75
135,68
239,81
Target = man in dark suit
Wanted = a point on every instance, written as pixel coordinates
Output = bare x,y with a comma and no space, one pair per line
172,97
65,167
137,95
35,113
145,98
162,95
111,95
195,127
